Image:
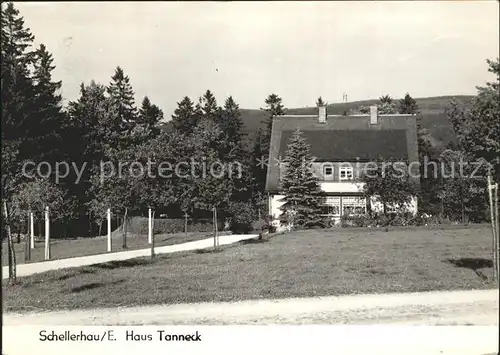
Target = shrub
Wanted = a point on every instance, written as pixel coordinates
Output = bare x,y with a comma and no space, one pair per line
356,221
391,219
264,224
270,227
139,225
260,225
242,215
328,222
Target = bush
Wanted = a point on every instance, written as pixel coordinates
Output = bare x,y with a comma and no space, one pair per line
391,219
264,224
328,222
356,221
139,225
260,225
242,215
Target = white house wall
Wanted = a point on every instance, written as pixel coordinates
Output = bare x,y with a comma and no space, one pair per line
376,206
342,187
274,205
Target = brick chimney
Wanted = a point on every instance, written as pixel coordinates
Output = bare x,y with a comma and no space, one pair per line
373,115
322,114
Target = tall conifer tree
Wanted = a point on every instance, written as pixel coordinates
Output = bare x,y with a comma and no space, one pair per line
300,186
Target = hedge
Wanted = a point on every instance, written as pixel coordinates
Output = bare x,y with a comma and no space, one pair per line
139,225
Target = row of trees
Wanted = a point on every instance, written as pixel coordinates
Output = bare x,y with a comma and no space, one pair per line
387,105
104,124
477,131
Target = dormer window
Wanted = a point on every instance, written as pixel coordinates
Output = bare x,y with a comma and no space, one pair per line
345,173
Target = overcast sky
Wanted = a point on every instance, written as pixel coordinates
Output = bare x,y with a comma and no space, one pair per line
299,50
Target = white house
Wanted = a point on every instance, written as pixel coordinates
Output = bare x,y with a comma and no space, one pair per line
343,146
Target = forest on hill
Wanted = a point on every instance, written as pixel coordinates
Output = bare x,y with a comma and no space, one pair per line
432,114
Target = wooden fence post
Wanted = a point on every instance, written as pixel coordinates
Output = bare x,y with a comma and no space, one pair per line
108,215
32,230
47,233
215,233
10,246
216,227
497,234
152,235
150,227
493,227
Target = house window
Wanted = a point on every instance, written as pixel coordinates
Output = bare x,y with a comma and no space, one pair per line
352,205
328,172
346,173
330,206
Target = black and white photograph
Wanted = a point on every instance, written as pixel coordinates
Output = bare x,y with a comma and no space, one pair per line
326,172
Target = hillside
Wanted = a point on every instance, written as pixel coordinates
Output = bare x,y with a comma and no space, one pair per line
432,110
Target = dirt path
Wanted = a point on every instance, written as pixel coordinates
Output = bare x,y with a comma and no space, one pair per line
33,268
428,308
431,308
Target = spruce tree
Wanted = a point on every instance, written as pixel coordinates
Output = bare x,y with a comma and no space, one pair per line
47,133
15,43
274,107
185,118
17,92
149,117
16,40
231,123
300,186
233,150
209,106
320,102
408,105
121,95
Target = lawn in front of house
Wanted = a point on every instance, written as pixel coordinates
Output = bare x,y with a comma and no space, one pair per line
69,248
297,264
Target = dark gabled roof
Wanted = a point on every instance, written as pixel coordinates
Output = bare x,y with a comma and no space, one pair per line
351,145
344,138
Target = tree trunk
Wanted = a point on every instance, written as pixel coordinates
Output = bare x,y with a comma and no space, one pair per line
494,229
442,208
462,209
215,233
27,249
40,230
153,236
124,240
497,226
100,228
11,251
91,231
18,238
216,228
